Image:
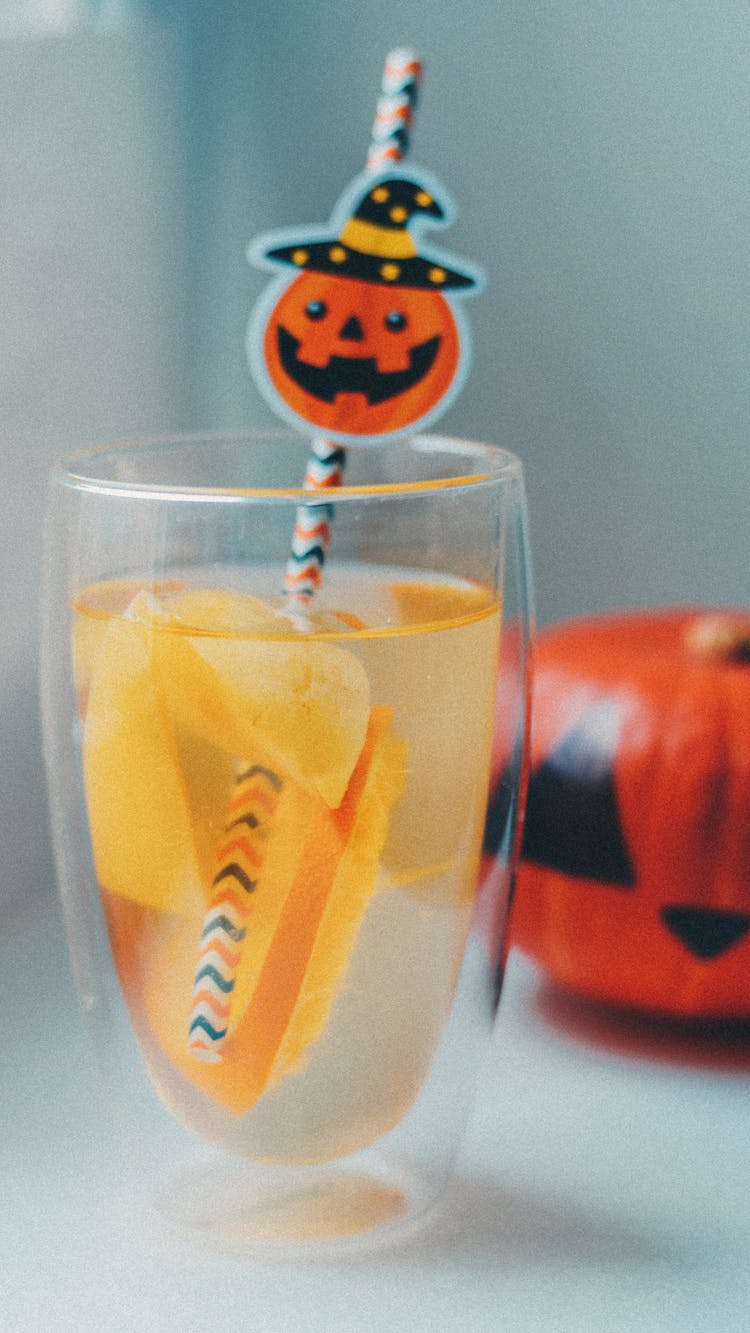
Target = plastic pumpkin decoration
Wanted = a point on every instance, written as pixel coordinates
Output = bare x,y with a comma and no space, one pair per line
634,886
364,339
348,354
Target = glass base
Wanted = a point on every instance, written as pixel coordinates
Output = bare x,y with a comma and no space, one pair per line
307,1210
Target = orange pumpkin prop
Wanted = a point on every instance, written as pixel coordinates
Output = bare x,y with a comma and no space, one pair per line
363,342
635,881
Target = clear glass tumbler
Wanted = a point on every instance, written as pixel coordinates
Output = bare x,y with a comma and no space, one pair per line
286,833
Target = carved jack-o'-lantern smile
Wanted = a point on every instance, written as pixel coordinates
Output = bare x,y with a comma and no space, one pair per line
354,374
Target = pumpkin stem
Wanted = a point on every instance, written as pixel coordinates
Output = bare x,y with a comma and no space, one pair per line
722,637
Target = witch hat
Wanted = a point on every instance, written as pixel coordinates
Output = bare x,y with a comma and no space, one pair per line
375,243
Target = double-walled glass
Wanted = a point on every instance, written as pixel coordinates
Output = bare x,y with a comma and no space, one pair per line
286,833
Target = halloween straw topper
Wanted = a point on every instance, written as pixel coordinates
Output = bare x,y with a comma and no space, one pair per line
362,336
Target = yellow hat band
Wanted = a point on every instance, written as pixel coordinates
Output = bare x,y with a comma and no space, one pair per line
386,242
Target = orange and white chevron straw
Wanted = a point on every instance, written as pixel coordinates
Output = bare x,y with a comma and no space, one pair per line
312,529
395,109
239,859
312,524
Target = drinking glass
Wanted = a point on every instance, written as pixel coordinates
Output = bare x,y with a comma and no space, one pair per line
286,830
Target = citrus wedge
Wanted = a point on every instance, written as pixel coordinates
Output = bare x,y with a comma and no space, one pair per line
298,941
137,801
305,702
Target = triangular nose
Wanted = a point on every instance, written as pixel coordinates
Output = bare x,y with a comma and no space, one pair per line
706,931
352,330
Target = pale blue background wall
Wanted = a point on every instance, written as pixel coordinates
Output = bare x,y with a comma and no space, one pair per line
600,155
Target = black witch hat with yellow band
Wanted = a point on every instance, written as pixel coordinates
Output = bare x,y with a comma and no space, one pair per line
375,243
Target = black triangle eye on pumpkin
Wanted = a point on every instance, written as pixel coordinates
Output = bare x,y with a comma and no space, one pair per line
572,820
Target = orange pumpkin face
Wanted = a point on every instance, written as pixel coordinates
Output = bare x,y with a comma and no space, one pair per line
634,886
356,358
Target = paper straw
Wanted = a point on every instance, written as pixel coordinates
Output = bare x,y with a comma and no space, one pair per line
312,524
312,528
239,860
395,109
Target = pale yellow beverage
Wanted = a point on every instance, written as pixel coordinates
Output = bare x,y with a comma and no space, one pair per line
327,774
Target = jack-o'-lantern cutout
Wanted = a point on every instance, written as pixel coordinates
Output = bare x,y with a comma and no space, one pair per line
364,341
634,885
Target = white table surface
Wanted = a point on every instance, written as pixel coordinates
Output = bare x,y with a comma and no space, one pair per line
604,1185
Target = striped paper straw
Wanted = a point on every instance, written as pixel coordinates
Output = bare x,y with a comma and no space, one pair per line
312,524
312,528
239,860
395,109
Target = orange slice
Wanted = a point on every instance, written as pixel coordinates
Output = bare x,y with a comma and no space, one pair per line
306,702
438,603
137,801
292,971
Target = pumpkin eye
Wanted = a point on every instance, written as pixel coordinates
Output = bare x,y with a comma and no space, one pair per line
572,819
395,321
316,310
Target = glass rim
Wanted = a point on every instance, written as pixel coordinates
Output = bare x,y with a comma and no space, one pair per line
492,464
